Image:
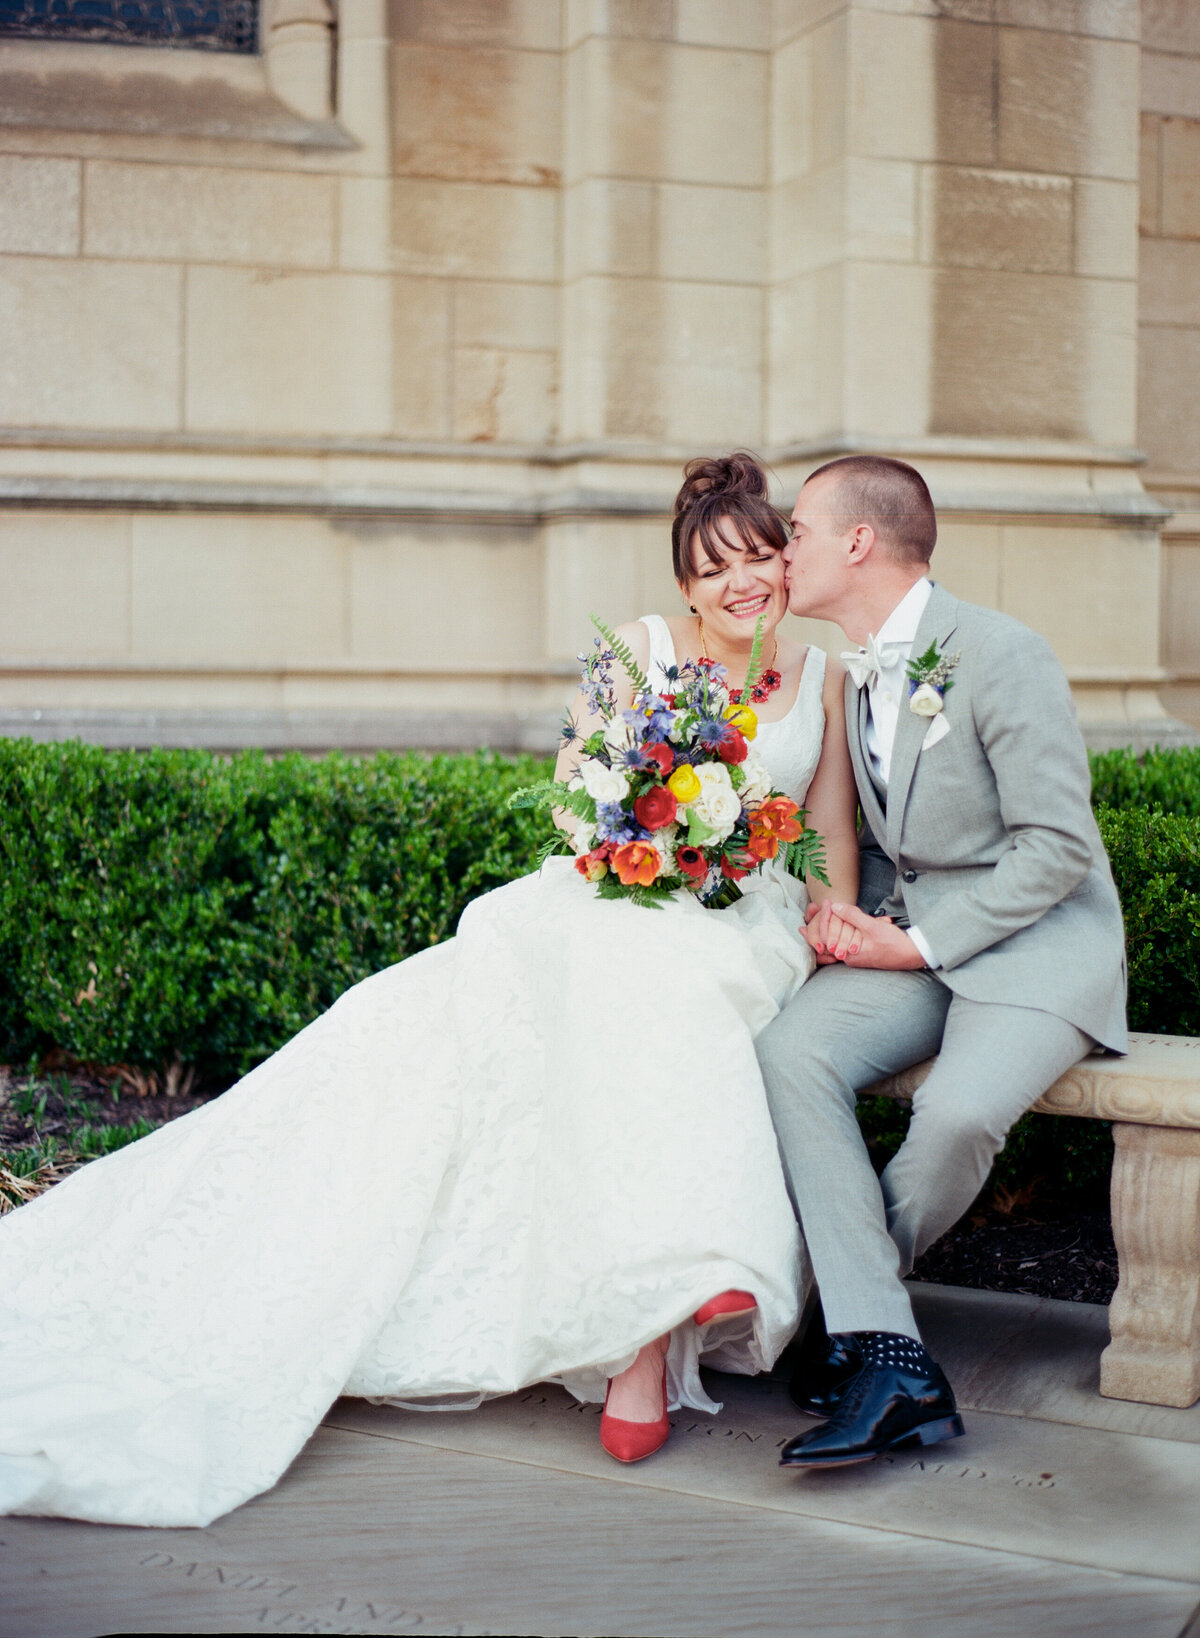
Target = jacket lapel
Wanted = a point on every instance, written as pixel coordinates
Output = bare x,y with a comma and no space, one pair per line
937,625
857,707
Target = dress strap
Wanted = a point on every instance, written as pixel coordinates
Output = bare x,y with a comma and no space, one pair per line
814,666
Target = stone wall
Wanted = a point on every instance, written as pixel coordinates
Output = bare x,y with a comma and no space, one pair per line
339,384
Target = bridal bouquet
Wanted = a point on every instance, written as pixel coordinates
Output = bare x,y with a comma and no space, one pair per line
671,793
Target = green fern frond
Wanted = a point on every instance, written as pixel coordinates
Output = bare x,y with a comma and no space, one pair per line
623,653
552,793
534,796
806,856
652,898
755,666
560,842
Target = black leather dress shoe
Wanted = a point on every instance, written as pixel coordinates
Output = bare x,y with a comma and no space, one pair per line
824,1371
899,1396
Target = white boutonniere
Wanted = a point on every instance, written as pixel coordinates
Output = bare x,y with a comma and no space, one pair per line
928,683
929,679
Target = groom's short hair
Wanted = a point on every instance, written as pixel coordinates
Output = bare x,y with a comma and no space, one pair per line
891,496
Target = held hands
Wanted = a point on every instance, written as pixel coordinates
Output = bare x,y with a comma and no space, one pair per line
842,932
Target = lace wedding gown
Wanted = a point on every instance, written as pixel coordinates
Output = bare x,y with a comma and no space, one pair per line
514,1157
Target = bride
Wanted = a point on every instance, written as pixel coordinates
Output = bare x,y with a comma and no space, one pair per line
539,1151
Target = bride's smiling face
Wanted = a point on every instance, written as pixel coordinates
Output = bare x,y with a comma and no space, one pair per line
731,595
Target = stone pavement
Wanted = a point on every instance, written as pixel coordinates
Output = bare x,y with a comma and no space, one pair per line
1060,1513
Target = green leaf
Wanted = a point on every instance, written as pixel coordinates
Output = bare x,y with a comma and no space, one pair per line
651,898
699,834
755,665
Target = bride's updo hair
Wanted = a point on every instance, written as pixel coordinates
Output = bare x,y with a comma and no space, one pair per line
723,500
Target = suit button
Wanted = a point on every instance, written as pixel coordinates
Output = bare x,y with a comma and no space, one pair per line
910,876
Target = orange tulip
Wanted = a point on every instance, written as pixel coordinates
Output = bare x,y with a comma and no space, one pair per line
777,820
636,863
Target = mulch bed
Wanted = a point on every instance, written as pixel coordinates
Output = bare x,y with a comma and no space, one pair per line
1070,1255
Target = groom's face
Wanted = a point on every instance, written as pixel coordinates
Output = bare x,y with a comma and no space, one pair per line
817,556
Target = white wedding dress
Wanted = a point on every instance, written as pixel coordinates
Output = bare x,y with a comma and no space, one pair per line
514,1157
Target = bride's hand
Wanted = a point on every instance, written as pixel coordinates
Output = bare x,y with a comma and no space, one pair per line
830,937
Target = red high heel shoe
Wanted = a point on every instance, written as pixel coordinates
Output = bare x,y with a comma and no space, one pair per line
726,1306
632,1441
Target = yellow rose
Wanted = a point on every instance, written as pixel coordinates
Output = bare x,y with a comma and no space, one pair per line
744,718
683,784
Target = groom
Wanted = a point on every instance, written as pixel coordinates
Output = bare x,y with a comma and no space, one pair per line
998,944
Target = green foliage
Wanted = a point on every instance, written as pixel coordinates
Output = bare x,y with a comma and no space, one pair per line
1156,865
175,904
90,1142
1165,781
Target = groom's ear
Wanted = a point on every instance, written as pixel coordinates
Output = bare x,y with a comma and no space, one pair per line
861,542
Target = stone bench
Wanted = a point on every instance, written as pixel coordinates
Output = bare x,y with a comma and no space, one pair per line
1152,1098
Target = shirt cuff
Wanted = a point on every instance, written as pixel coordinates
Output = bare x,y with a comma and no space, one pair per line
922,944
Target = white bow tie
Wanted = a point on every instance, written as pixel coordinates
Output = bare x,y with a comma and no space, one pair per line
865,664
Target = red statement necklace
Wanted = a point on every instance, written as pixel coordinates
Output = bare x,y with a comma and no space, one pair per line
768,681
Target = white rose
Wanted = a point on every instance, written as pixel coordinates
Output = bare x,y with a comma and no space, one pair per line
583,839
603,784
718,806
758,779
664,841
619,735
926,701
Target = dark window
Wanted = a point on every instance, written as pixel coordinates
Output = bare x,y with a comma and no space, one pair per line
218,25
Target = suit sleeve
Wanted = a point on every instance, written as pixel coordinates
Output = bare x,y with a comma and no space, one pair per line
1025,719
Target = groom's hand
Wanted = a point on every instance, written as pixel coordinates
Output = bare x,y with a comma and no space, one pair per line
874,941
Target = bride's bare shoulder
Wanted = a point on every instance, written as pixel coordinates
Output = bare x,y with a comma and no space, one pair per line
637,637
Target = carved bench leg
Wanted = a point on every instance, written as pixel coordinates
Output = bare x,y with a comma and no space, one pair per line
1154,1355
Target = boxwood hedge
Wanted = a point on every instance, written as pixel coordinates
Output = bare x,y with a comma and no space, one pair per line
159,905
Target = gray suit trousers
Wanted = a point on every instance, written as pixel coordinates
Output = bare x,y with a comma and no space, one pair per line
848,1027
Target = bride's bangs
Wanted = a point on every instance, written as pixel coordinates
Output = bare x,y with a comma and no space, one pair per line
763,527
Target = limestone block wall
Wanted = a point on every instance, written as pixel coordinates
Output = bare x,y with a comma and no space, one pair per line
1169,324
339,384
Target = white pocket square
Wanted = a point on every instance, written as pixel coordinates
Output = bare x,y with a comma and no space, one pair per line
938,729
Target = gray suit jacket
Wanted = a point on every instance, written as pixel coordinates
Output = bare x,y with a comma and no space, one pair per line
989,834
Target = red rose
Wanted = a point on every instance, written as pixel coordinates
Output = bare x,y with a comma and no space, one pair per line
731,871
655,808
733,747
689,861
661,755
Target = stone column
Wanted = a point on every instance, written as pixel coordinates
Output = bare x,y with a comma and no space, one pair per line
954,281
665,110
1154,1355
664,160
298,50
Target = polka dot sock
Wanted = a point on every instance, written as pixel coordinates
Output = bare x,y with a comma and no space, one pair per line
894,1352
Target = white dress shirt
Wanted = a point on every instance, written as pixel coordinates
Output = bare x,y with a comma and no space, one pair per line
887,693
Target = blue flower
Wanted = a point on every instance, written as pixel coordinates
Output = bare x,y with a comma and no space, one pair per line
712,731
613,824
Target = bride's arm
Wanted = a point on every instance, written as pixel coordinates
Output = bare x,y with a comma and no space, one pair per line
832,799
586,722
